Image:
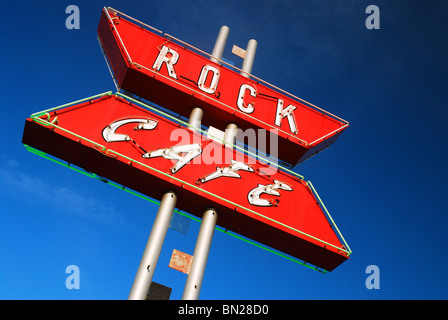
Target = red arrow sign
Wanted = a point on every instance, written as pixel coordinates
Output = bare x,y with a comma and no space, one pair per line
180,77
137,146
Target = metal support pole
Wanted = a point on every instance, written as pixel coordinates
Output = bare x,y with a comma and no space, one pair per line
147,266
230,134
200,256
196,118
220,44
250,57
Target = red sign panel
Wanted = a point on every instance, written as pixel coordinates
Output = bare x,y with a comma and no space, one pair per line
174,75
140,148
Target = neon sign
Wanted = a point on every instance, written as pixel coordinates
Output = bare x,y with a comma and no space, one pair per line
125,142
180,77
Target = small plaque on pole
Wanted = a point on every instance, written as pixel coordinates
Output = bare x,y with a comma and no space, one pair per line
180,223
158,291
180,261
240,52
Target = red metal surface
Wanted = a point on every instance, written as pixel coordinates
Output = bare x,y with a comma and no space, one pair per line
250,201
141,61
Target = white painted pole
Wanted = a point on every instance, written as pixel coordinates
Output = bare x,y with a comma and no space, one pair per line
196,119
230,135
197,113
220,44
147,266
250,57
200,256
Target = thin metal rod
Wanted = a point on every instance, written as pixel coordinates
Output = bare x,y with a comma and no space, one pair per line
200,256
250,57
118,36
220,44
329,216
195,119
147,266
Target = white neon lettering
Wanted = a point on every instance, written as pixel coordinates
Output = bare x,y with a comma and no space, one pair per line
175,153
288,113
170,57
240,101
203,77
109,134
271,189
230,171
183,154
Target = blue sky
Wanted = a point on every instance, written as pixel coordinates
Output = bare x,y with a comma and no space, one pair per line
383,181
